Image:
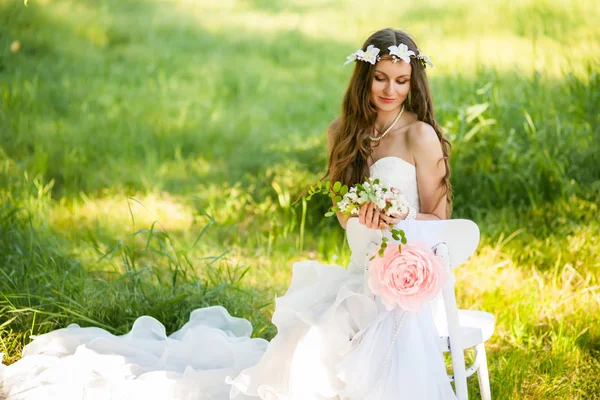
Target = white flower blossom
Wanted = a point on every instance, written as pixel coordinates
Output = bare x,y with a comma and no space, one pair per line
363,198
427,60
402,52
369,55
350,58
388,200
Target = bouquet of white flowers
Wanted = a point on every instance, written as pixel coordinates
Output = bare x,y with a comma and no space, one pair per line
389,201
404,279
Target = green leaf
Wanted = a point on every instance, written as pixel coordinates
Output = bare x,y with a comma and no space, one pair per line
319,184
332,195
396,237
372,258
335,208
344,190
327,185
337,186
397,231
376,181
404,240
329,213
381,252
337,199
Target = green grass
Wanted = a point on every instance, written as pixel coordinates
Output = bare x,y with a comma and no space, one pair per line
150,153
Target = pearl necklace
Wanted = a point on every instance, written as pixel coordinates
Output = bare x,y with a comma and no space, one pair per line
378,138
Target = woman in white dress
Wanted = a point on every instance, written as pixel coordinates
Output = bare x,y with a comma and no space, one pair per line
335,339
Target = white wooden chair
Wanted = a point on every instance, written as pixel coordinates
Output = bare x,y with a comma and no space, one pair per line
456,241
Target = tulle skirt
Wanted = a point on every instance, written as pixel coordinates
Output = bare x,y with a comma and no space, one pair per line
334,341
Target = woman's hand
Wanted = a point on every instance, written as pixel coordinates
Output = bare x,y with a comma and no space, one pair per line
391,220
369,216
372,218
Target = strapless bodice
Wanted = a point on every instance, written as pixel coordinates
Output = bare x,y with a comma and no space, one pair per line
396,172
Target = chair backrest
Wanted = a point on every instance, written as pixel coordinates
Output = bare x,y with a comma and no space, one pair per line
460,235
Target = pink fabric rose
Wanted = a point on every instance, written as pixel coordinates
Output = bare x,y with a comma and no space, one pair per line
406,279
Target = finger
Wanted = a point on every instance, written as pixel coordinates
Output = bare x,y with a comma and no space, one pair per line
361,214
375,222
390,221
369,215
385,217
383,225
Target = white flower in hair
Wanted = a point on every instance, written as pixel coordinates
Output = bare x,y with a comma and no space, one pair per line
369,55
425,58
402,52
350,58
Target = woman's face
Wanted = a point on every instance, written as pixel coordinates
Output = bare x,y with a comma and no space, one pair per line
391,84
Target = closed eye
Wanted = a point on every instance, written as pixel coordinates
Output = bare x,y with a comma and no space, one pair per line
379,79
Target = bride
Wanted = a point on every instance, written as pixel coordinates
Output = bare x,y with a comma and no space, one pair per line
335,339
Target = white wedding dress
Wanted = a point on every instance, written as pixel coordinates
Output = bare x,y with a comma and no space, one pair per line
335,341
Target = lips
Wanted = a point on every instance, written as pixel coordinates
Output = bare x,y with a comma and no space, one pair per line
387,100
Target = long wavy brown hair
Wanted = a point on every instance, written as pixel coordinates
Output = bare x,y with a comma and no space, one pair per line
351,149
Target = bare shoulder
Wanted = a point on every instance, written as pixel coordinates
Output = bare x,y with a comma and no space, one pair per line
421,134
424,143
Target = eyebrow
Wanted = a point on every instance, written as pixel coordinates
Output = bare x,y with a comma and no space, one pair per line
399,76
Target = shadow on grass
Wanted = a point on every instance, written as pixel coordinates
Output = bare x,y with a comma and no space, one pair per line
107,103
118,107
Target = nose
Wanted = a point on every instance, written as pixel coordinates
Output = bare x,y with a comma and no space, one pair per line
389,88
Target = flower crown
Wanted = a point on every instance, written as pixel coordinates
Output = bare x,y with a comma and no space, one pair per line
400,52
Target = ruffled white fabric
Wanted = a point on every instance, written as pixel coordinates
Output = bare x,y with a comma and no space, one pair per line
90,363
335,341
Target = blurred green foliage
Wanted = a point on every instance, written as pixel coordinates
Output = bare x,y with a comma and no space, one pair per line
210,117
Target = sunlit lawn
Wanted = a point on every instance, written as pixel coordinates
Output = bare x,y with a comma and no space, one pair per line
150,154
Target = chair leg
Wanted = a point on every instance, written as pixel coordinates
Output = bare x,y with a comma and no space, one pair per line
460,374
482,373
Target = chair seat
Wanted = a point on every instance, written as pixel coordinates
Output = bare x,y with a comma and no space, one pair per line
475,327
